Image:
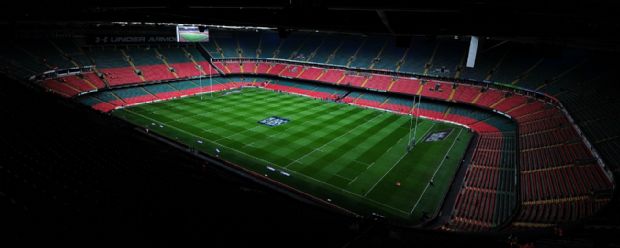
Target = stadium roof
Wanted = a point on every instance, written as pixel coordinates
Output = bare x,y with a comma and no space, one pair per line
581,21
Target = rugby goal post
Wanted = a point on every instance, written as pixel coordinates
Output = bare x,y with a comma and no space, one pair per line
411,145
413,128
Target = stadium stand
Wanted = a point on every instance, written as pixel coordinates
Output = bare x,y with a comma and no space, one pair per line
418,55
328,45
311,73
544,152
390,57
448,58
60,87
121,76
332,76
488,197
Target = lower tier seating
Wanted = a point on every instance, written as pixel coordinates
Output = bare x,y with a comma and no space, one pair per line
488,196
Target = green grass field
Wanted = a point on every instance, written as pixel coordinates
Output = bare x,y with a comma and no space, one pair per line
351,155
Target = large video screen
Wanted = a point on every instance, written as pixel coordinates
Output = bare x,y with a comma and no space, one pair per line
191,33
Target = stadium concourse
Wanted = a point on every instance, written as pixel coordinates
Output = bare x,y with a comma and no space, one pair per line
538,158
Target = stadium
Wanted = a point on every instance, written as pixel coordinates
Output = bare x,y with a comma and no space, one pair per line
396,135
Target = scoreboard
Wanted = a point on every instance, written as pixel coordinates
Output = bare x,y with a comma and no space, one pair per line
192,33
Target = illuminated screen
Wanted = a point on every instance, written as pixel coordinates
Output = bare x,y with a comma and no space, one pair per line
191,34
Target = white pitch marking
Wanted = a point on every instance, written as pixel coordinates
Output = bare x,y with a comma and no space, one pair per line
335,139
436,170
394,165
